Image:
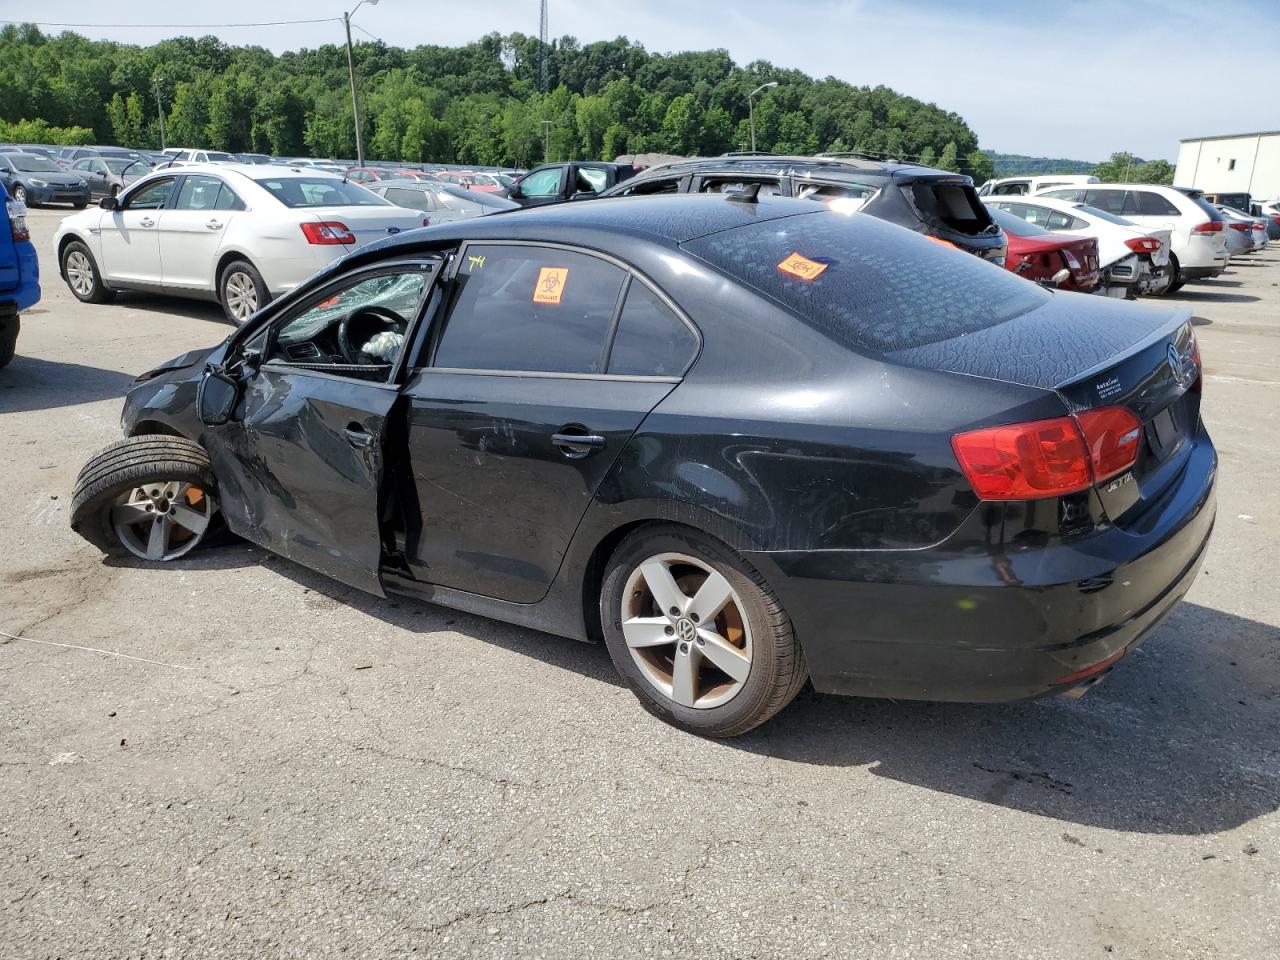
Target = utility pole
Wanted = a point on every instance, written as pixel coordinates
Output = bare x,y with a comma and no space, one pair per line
159,109
351,70
546,141
542,49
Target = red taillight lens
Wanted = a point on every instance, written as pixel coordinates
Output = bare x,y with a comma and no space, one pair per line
1209,226
426,221
1242,227
1024,461
328,233
1112,435
1143,244
1049,458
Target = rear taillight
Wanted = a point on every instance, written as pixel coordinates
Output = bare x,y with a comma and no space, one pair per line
1048,458
18,222
1209,226
328,233
1072,262
1242,227
1112,435
1258,226
1143,244
426,221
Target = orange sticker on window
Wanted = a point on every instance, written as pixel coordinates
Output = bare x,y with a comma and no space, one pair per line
551,281
802,267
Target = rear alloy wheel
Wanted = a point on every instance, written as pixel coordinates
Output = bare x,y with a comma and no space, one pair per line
152,497
242,291
697,634
82,275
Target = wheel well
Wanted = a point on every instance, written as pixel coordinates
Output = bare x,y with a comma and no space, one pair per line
65,242
225,261
143,427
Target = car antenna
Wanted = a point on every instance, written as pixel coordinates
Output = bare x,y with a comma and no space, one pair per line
749,194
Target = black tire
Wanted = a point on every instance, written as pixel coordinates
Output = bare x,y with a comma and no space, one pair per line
97,292
778,670
1176,283
79,206
9,327
126,465
235,274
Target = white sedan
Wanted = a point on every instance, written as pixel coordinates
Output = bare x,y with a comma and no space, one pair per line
240,234
1133,259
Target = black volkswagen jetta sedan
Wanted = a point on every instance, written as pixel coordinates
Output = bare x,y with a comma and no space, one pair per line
746,444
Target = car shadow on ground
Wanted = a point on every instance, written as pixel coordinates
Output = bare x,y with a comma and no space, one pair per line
1214,296
1180,739
159,303
29,383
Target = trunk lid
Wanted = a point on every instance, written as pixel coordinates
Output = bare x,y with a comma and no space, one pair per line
1096,352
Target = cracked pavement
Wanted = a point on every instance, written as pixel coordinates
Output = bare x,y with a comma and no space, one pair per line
308,772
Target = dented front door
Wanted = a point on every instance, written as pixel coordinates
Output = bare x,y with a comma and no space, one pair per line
300,473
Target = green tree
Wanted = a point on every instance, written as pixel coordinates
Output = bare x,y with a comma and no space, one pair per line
682,125
948,160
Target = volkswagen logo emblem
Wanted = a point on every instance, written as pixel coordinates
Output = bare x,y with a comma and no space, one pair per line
1182,366
393,230
686,632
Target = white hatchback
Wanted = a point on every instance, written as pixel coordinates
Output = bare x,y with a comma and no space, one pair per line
240,234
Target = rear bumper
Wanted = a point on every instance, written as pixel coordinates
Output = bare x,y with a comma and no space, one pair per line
965,622
1202,273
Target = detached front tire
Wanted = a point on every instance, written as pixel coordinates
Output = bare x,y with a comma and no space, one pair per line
153,497
698,635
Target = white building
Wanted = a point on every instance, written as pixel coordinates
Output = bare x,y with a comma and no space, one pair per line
1243,162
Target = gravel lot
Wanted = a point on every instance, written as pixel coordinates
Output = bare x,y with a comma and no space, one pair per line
283,768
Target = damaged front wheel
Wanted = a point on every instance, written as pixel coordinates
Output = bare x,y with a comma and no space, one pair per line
152,497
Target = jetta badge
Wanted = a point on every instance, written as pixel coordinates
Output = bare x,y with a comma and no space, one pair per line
1183,367
393,230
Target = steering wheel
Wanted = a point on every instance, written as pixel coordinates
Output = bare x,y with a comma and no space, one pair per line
378,318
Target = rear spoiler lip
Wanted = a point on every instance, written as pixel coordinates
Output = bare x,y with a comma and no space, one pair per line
1179,318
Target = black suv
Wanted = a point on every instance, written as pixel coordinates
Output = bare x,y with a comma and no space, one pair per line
938,204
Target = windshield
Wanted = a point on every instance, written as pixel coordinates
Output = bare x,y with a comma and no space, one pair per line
865,283
1016,225
321,192
29,164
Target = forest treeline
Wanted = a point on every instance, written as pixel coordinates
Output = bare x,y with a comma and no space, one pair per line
475,104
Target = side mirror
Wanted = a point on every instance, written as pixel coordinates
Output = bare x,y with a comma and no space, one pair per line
216,397
514,192
108,203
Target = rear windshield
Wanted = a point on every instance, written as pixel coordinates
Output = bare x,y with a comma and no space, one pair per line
29,164
955,205
215,155
871,286
1016,225
321,192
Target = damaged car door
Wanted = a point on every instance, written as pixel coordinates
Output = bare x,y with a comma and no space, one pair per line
300,463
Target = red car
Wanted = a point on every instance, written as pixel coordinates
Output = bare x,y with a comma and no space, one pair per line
1037,254
482,182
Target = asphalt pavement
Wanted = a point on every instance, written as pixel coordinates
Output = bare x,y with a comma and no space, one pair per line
233,757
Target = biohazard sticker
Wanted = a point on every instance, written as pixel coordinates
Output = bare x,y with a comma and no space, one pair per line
802,268
550,287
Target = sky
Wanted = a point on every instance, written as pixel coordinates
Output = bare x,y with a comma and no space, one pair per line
1078,79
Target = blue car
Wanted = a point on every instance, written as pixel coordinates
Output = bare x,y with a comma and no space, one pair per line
19,275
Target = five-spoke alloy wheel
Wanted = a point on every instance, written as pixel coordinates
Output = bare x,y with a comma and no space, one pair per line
162,521
697,634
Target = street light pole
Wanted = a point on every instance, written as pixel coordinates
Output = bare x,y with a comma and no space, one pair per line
751,110
351,70
159,108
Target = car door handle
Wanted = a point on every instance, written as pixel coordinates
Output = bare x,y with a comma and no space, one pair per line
577,445
358,437
146,223
214,224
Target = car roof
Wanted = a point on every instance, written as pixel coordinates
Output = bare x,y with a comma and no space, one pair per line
779,164
668,219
